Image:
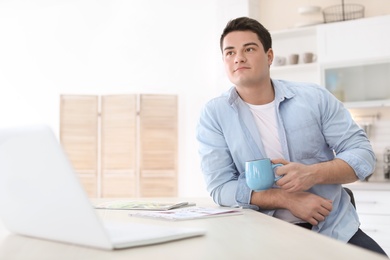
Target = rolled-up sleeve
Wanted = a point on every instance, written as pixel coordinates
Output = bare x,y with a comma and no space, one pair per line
346,138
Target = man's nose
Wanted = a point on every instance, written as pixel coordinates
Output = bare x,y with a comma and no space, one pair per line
240,57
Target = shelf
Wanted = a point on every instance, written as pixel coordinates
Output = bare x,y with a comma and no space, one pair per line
368,104
301,72
291,68
294,32
355,62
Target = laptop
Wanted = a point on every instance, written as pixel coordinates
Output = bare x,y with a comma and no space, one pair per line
41,197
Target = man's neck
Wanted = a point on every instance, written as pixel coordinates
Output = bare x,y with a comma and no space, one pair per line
257,95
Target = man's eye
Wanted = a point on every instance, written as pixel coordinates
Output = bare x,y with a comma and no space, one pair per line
250,49
229,53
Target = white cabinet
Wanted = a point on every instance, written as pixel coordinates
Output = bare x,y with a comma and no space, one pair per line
373,207
378,228
360,81
355,40
352,59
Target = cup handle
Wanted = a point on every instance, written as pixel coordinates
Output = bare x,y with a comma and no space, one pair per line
273,169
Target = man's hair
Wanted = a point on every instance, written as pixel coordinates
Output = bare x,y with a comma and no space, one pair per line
248,24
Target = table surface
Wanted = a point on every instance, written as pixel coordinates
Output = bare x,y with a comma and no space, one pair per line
251,235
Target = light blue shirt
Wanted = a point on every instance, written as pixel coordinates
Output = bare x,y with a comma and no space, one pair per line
313,127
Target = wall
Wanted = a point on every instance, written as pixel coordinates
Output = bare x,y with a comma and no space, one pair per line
53,47
282,14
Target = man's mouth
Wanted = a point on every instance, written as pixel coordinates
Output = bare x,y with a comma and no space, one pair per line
241,68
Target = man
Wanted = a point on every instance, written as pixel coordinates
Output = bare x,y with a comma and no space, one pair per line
300,125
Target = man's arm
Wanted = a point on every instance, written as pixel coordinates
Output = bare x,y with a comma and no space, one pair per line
217,165
304,205
300,177
296,180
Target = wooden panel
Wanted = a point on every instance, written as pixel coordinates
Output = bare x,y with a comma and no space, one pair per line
158,145
78,136
119,185
158,187
118,145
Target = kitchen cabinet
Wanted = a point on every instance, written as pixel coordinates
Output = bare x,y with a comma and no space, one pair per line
352,59
373,207
360,83
352,40
122,145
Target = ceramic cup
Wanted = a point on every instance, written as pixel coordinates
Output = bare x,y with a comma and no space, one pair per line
293,58
260,174
279,61
308,57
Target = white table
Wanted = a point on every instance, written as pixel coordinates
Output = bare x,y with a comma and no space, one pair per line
249,236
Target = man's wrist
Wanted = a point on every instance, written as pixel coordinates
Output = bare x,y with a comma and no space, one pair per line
316,172
270,199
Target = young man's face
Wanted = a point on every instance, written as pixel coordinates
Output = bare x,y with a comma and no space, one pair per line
246,63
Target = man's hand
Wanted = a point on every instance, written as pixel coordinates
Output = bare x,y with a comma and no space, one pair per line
309,207
297,176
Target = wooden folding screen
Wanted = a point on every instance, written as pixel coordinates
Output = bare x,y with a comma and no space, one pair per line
134,148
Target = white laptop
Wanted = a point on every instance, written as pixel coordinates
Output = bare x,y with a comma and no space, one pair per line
40,196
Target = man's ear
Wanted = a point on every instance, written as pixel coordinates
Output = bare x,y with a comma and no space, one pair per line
270,55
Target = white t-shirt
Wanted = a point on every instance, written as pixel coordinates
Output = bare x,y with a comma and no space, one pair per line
265,118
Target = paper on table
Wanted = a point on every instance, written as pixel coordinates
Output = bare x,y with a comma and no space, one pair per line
188,213
142,205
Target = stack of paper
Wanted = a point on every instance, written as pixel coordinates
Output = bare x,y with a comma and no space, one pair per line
188,213
142,205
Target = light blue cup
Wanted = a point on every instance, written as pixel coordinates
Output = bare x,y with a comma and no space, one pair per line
260,174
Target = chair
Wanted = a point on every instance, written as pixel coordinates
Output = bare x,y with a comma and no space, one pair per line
351,196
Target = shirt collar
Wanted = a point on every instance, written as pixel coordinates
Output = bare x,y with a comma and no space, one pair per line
282,92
